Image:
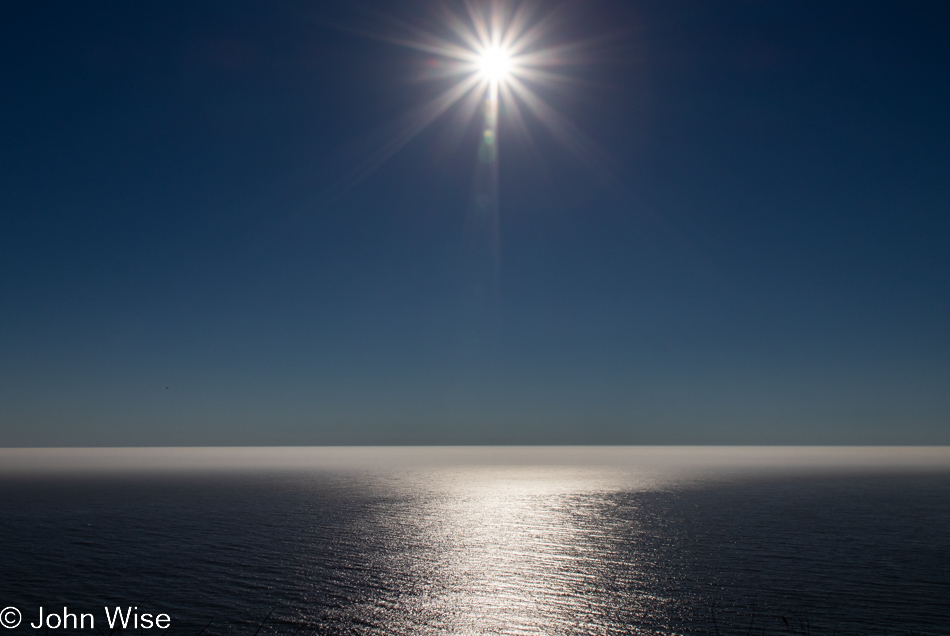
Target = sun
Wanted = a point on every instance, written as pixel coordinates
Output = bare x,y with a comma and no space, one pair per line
495,60
494,64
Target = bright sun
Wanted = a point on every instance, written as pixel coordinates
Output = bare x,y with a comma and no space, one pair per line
494,64
492,58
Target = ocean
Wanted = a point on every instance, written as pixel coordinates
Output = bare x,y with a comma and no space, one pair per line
512,540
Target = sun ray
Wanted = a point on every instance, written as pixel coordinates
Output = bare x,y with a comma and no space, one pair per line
562,128
497,55
410,127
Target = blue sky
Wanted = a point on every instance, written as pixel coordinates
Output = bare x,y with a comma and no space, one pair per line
743,240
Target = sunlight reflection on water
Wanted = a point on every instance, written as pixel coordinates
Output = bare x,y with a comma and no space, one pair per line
485,541
514,552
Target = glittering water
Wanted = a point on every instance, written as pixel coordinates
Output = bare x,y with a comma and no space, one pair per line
485,541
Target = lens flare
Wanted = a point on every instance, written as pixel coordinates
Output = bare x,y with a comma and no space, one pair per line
494,58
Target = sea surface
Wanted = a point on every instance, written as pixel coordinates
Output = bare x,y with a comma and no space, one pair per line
514,540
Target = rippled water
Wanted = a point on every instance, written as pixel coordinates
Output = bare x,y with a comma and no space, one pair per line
484,542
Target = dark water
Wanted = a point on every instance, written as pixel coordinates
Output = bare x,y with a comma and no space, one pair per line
485,548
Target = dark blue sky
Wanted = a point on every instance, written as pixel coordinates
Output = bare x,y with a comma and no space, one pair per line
751,247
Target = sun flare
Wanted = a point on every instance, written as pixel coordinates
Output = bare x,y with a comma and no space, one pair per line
495,60
495,64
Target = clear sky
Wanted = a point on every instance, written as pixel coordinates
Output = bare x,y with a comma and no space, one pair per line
223,223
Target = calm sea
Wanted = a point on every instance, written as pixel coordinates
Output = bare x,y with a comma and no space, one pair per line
481,541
